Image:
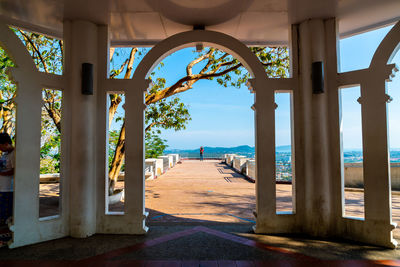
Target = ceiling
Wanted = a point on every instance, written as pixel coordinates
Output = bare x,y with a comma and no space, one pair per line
146,22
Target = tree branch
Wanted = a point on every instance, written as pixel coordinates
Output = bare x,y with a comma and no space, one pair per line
112,50
179,86
148,128
130,63
36,50
189,67
60,43
112,76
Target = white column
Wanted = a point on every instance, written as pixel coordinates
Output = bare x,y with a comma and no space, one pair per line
312,129
134,159
265,156
81,47
376,160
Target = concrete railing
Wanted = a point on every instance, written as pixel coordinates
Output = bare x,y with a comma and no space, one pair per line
239,163
242,165
251,169
353,172
50,178
353,175
167,162
154,167
160,165
150,169
175,158
229,159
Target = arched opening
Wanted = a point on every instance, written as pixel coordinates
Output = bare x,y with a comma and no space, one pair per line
222,122
264,114
393,90
387,54
382,65
276,64
375,139
353,59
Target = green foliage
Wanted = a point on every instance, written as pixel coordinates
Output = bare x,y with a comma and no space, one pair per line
5,63
167,113
6,86
155,146
274,59
50,146
46,52
112,143
7,94
50,155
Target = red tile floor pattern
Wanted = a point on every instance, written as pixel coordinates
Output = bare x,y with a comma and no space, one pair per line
106,259
195,263
176,235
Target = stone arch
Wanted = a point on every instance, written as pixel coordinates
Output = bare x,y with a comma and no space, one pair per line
187,39
376,169
264,123
387,48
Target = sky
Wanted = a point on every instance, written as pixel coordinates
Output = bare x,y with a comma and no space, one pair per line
223,116
356,53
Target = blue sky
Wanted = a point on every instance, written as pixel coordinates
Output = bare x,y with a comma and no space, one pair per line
356,53
223,117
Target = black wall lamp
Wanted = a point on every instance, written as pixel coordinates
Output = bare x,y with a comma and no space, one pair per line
87,79
199,46
317,76
199,27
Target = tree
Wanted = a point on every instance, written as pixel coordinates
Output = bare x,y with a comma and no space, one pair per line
47,55
155,146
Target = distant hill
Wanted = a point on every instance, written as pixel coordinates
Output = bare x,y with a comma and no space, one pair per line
228,150
243,148
214,152
282,153
217,152
283,149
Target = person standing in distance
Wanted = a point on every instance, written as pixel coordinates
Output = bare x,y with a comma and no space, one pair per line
201,153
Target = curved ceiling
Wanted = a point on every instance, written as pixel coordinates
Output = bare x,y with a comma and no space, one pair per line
148,21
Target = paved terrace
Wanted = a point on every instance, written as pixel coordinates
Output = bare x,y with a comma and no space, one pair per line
200,191
209,192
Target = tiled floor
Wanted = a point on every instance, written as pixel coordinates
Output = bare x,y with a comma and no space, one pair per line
200,214
191,246
200,191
